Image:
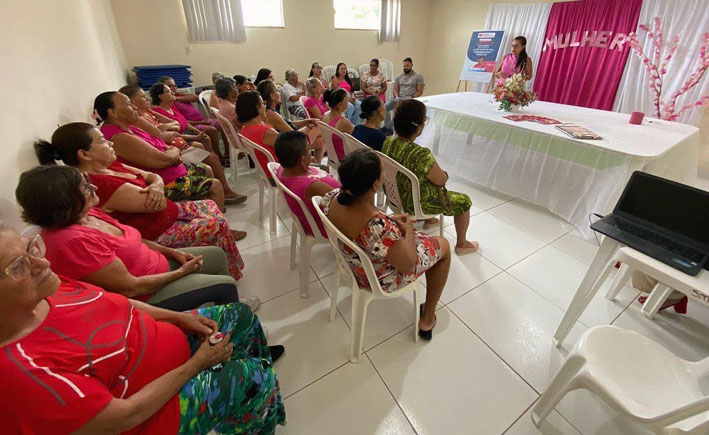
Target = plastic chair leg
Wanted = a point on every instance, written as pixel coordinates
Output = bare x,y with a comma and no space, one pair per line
418,300
293,242
658,297
272,209
562,383
360,301
621,278
440,225
333,295
260,202
306,245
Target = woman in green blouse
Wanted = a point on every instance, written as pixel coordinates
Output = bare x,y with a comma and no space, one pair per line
409,120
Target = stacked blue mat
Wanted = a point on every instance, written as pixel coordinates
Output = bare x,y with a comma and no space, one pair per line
148,75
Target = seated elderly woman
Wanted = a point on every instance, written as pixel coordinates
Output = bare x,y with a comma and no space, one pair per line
302,179
77,359
337,100
185,105
227,92
272,98
244,83
213,99
153,123
137,148
409,119
342,80
162,99
85,243
293,90
313,102
373,113
136,198
251,112
399,253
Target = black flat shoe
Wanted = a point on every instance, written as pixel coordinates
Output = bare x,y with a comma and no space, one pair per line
426,335
277,351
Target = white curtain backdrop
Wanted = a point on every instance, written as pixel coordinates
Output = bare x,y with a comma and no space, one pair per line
689,19
390,27
214,20
528,20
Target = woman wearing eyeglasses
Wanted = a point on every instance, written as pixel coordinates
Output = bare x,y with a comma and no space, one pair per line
409,119
77,359
85,243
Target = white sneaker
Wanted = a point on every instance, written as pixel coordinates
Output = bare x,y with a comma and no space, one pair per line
253,303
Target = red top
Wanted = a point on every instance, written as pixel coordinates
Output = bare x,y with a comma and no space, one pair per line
175,115
150,225
77,250
92,347
256,133
168,174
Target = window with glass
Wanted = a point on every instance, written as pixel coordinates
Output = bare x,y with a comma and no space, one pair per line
262,13
357,14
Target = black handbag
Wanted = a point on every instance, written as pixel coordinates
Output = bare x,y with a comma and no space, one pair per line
355,81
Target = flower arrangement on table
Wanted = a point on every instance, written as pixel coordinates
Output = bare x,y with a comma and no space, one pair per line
513,93
657,68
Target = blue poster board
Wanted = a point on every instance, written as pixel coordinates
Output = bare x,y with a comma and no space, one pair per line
481,57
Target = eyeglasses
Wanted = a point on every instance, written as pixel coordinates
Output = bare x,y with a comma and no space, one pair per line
21,266
425,121
86,186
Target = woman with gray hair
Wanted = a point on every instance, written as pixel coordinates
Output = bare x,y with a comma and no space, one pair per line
292,91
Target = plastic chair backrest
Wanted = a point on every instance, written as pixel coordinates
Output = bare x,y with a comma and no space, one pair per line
327,132
284,106
328,72
363,69
391,169
352,144
301,101
273,169
228,129
204,97
387,68
252,148
336,238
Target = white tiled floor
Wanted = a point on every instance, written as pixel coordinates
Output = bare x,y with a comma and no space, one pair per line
491,355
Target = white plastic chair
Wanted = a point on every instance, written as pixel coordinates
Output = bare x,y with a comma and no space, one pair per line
352,144
387,68
361,297
391,169
333,162
233,141
306,242
204,97
668,280
637,377
363,69
301,101
264,183
329,73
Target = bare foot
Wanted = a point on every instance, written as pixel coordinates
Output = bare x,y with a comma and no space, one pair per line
238,235
466,247
231,198
427,326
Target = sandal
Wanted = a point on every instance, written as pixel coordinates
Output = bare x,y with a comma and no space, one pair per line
238,235
468,250
238,199
426,335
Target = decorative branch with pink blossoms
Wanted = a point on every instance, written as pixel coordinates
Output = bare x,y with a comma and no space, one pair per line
657,68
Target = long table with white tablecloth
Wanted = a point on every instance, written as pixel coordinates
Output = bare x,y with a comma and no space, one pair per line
538,163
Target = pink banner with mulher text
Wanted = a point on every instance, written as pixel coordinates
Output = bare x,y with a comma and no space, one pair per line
584,52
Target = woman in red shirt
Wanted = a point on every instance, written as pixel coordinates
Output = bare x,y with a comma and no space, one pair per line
75,358
85,243
251,111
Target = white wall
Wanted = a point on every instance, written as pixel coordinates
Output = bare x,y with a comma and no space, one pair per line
155,32
57,56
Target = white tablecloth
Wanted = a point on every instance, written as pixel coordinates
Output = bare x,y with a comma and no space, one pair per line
538,163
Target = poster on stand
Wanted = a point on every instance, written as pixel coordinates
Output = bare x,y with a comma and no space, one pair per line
481,57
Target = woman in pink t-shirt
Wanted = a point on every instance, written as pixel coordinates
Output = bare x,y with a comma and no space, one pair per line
313,101
85,243
516,61
302,179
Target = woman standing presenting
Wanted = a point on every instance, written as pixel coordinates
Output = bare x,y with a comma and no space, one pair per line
516,62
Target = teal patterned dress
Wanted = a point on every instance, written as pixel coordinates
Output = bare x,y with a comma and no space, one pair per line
240,395
419,160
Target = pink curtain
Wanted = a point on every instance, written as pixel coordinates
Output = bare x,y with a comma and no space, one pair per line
584,52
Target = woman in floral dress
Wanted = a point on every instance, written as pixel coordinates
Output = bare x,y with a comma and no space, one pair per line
399,254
